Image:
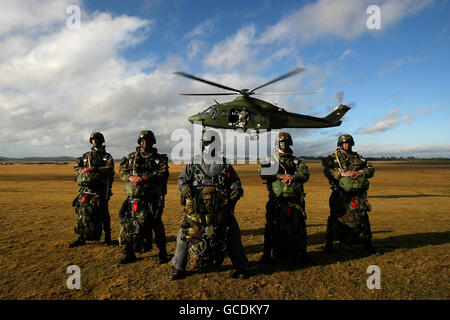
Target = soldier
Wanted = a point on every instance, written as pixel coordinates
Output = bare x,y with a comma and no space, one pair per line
210,189
285,230
347,172
145,172
243,119
95,175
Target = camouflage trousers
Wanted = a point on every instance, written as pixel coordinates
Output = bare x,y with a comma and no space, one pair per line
285,231
92,214
349,220
138,220
234,248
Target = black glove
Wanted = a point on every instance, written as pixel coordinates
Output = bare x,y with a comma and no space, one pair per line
186,191
235,194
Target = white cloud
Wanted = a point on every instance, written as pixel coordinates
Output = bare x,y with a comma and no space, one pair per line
32,16
194,47
340,19
347,53
394,65
201,29
393,11
70,56
233,51
59,85
392,119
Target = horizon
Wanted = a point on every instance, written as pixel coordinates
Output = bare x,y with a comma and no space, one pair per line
383,158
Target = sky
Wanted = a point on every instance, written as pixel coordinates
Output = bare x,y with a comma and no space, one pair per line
113,72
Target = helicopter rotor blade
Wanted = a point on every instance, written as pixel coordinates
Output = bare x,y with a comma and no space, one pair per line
187,75
210,94
284,76
288,92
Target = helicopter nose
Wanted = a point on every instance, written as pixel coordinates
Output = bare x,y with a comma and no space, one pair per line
194,118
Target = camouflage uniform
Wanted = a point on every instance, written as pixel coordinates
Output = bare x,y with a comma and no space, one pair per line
224,180
285,230
141,215
92,201
345,223
244,116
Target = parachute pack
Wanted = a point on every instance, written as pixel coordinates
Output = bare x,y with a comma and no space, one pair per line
135,223
354,185
92,181
89,222
135,192
287,191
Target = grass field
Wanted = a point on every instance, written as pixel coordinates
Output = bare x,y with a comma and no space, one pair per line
410,222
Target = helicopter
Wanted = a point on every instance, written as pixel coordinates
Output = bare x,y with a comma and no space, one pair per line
248,113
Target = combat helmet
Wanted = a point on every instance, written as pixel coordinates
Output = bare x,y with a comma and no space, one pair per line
285,136
97,135
146,134
343,138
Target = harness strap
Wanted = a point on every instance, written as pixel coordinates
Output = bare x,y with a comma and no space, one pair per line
89,159
203,171
337,158
276,158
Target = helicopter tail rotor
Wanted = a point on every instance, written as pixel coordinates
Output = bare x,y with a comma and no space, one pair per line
340,97
337,112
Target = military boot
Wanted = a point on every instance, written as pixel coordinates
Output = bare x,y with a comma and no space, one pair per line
240,273
329,235
162,256
328,246
265,259
267,253
368,245
108,241
127,258
178,274
303,259
76,243
106,223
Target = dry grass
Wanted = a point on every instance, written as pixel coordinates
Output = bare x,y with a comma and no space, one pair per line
410,222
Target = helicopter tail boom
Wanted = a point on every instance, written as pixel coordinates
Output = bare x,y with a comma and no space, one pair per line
337,114
304,121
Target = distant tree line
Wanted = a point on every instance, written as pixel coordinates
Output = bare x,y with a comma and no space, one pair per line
387,158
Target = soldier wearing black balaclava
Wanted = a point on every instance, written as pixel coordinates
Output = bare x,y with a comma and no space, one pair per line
210,177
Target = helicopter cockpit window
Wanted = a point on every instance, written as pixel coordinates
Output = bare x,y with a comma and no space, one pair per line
214,113
206,111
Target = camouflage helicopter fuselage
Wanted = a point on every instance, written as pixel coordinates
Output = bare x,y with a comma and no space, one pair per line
263,115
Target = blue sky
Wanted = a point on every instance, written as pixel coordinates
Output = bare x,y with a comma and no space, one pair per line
115,74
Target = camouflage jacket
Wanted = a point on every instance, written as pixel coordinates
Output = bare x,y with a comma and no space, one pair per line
153,166
101,161
341,161
288,164
220,174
